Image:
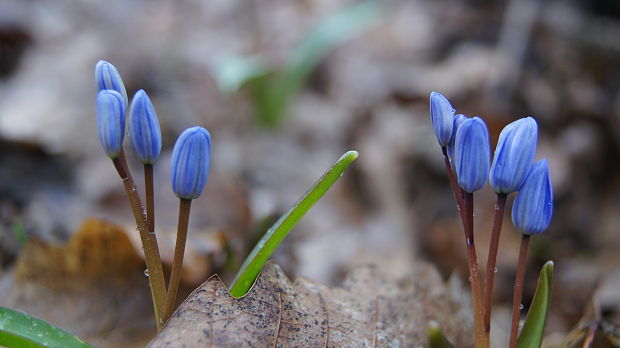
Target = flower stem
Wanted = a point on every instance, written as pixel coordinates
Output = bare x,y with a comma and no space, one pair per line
150,197
179,251
453,184
500,207
481,338
587,342
465,204
516,299
149,240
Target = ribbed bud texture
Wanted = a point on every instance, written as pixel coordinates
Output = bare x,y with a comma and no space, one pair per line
144,131
108,77
533,206
190,163
472,154
458,121
513,156
110,121
442,116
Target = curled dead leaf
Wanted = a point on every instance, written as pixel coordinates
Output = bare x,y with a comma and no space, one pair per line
368,310
94,286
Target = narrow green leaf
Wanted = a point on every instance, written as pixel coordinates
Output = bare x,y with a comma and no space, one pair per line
329,32
18,329
436,338
272,238
532,333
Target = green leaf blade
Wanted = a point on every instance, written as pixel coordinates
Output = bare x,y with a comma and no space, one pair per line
534,327
19,329
274,236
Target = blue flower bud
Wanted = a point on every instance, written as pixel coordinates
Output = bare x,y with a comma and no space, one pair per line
107,77
144,129
442,116
110,121
472,154
458,120
514,154
533,206
191,158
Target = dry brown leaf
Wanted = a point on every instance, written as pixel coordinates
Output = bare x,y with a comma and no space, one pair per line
93,286
366,311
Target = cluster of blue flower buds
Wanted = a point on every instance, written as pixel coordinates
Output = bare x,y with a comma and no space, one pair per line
192,150
466,141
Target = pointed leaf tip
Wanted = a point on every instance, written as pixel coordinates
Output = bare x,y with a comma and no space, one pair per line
436,338
534,327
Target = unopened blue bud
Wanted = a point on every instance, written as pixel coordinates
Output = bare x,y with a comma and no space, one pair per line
513,156
442,116
472,154
191,158
533,206
110,121
107,77
458,120
144,130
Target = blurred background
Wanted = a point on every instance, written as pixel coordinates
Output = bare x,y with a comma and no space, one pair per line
285,87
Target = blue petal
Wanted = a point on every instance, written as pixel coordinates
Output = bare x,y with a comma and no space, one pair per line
190,163
108,77
442,117
533,206
144,130
472,154
110,121
458,121
513,156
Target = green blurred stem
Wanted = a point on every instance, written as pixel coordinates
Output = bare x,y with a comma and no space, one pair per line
516,299
481,337
274,236
150,197
500,207
149,240
179,251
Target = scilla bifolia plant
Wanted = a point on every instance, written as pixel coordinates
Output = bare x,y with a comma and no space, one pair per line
189,170
145,137
513,157
465,145
111,129
531,214
471,159
191,157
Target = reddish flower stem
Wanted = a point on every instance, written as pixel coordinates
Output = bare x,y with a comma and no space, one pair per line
500,207
481,338
587,342
456,190
516,299
465,205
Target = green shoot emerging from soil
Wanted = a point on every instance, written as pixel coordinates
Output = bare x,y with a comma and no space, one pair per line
274,236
